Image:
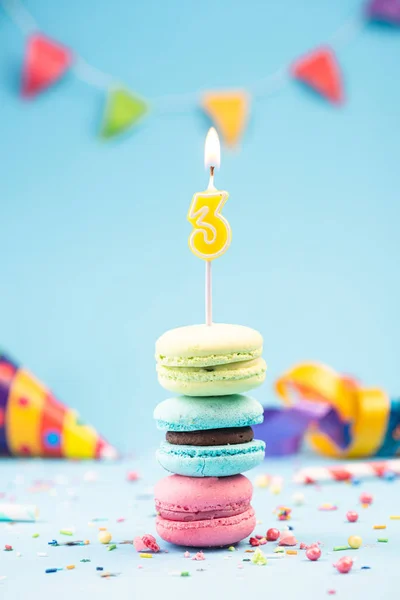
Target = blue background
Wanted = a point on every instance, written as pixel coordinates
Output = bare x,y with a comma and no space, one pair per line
94,257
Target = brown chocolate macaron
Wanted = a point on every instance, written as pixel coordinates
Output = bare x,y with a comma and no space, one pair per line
211,437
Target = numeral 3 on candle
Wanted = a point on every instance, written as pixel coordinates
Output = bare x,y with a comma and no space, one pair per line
211,235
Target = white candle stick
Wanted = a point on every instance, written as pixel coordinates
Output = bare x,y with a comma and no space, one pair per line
211,188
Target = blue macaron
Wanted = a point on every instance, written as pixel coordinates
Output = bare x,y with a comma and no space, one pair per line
209,436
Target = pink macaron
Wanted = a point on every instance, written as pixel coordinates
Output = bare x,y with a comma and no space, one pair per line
201,512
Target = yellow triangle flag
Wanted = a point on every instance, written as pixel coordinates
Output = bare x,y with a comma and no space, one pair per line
229,112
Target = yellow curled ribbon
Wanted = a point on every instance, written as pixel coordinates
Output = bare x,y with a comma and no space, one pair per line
366,410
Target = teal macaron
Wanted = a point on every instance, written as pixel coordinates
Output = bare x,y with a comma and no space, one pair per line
209,436
185,413
216,360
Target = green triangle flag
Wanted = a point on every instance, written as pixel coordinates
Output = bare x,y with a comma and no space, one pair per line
123,110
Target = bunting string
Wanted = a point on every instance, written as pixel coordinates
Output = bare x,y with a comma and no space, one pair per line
46,62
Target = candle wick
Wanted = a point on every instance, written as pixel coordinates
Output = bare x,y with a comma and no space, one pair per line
211,186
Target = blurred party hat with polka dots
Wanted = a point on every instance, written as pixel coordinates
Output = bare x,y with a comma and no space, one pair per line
34,423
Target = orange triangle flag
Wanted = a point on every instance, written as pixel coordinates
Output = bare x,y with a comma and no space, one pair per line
320,70
229,112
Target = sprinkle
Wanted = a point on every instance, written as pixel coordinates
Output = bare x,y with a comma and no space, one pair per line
354,541
139,544
287,539
144,554
352,516
262,481
291,552
344,564
8,548
231,548
246,559
85,560
35,535
121,519
249,551
331,592
98,519
150,542
53,543
199,556
263,541
108,574
379,527
313,553
259,558
384,540
187,554
185,574
365,567
66,532
254,541
395,517
99,568
298,498
102,528
132,476
283,513
41,554
327,506
112,547
272,534
279,550
51,570
338,548
70,567
104,537
366,498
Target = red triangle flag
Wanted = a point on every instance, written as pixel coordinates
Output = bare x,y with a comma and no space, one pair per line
45,63
320,70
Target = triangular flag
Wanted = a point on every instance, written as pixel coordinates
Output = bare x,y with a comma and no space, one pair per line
34,423
320,70
123,110
385,11
229,112
45,63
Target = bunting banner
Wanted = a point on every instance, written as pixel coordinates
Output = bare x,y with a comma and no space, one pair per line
229,112
384,11
123,111
320,71
47,61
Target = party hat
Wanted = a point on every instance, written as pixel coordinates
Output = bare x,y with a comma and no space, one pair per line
34,423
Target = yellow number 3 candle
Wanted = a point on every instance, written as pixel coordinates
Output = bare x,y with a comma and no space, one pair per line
211,235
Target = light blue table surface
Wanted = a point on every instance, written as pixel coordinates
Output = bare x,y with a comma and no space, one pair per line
79,492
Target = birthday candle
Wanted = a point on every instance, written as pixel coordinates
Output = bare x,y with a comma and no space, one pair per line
211,235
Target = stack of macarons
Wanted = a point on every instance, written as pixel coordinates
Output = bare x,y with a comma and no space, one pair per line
209,437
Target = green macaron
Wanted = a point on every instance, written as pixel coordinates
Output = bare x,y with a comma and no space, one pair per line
216,360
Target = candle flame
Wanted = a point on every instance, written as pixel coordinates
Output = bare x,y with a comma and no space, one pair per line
212,150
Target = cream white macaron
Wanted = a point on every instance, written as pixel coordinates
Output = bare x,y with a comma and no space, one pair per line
216,360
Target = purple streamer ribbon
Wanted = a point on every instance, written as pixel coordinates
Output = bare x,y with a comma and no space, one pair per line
283,429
